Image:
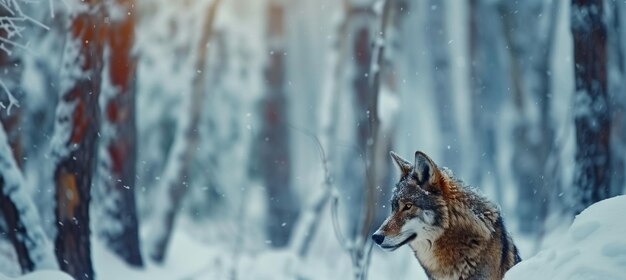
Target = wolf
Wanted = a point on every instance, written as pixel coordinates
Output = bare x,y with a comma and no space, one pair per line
454,232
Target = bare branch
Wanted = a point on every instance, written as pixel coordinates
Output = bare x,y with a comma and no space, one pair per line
12,24
12,100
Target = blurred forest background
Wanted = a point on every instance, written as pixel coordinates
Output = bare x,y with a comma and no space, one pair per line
234,139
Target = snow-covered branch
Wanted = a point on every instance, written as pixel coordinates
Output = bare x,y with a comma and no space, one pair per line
13,22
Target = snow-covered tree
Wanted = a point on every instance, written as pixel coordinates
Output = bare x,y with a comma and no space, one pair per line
367,23
32,247
533,132
616,76
486,88
31,244
271,152
116,186
182,154
74,143
438,41
592,116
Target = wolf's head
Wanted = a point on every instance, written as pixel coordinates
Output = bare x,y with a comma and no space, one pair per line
417,204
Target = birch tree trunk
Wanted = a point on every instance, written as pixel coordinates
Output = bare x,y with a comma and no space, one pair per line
181,156
592,117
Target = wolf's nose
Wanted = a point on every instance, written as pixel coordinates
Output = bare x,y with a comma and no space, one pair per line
378,238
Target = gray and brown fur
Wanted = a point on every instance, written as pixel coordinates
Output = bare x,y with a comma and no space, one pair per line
454,232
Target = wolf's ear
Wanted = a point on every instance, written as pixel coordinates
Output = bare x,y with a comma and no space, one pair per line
425,168
404,165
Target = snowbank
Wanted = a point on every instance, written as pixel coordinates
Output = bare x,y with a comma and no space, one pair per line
41,275
594,247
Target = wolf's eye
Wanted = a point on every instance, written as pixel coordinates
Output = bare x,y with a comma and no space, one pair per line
407,206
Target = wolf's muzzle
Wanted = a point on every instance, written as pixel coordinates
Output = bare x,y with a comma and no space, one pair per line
378,238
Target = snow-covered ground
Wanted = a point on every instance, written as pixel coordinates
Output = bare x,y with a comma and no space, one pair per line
193,259
41,275
594,247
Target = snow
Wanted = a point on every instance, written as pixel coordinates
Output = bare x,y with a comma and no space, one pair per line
186,256
193,259
39,248
378,7
109,201
41,275
388,108
592,248
226,241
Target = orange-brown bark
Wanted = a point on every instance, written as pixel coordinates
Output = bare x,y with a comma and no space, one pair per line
74,170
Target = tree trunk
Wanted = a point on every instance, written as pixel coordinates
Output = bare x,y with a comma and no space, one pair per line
274,165
369,52
592,117
76,137
533,132
355,176
119,141
328,125
10,72
486,88
616,87
32,247
437,42
181,156
15,230
391,75
362,57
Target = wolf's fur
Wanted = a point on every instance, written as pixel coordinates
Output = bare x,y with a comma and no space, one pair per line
454,232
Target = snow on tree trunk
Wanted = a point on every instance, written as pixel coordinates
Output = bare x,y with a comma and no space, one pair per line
533,133
592,115
367,127
74,144
32,247
388,99
274,159
347,120
356,175
616,85
486,90
176,177
368,48
41,96
363,52
116,188
438,42
329,113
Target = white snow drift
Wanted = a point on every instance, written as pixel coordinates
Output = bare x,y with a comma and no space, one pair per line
41,275
594,247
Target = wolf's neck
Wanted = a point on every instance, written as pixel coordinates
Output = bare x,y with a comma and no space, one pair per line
423,250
